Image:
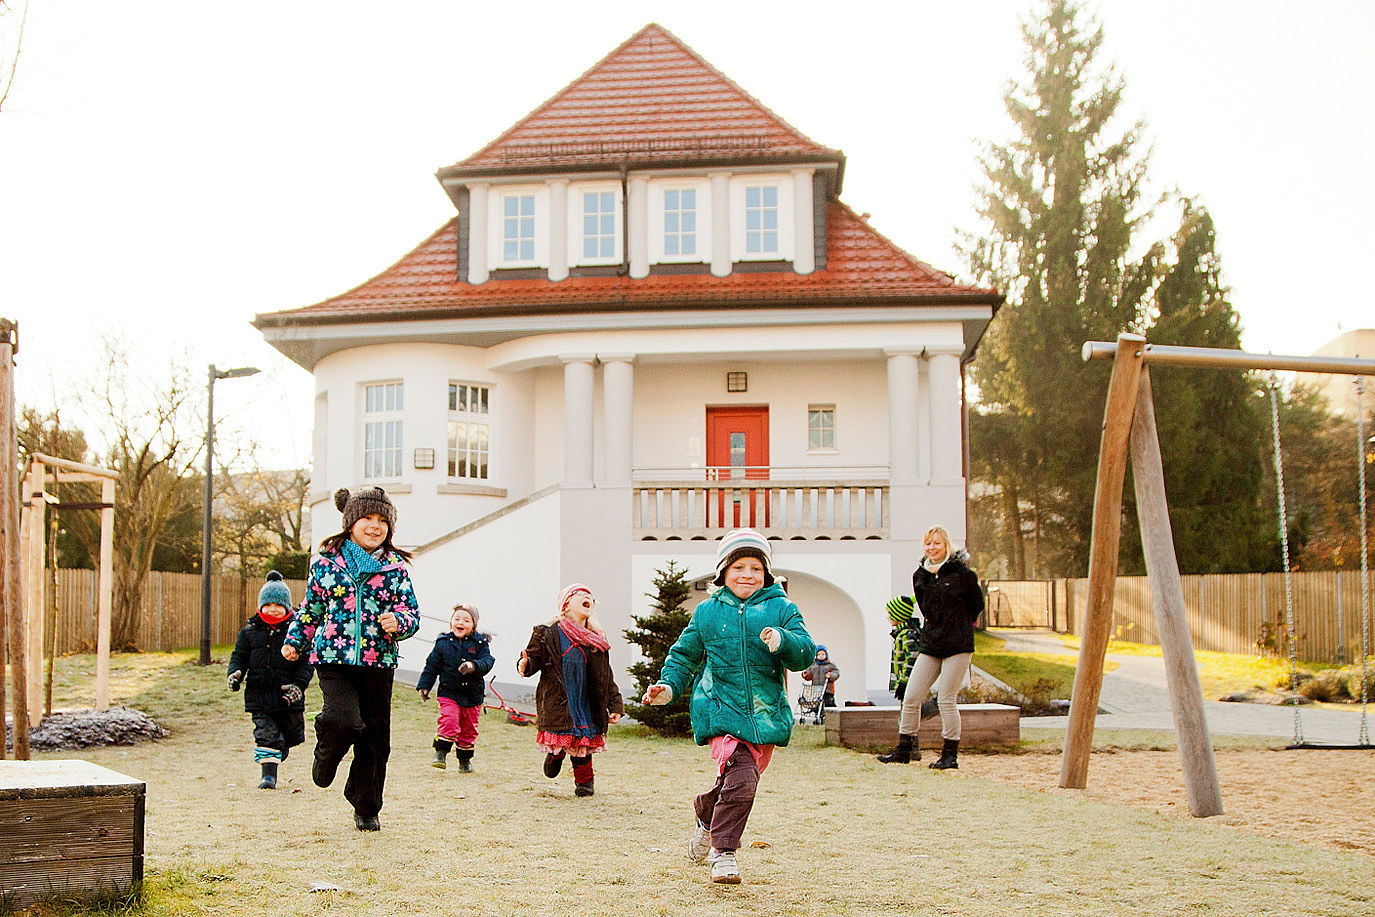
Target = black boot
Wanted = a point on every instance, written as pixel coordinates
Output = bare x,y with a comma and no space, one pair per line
465,760
441,752
269,781
553,764
903,754
949,756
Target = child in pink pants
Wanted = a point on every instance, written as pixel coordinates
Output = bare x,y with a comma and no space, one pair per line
460,660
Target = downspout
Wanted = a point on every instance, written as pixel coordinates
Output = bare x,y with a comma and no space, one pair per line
625,222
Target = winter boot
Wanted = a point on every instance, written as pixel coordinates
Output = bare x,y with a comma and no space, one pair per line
465,760
441,751
269,781
948,758
905,752
582,777
553,764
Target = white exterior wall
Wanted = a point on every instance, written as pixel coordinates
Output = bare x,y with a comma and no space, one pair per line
508,569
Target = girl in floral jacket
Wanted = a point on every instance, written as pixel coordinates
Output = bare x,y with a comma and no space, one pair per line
358,605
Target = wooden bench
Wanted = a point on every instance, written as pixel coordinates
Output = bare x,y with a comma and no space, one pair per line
68,829
981,726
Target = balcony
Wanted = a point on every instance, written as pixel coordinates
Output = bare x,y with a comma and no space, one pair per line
790,504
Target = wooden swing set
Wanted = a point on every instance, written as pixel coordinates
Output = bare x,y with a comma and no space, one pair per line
26,620
1129,429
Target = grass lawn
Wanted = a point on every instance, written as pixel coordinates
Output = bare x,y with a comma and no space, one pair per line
834,832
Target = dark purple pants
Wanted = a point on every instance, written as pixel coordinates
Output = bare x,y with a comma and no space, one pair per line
725,807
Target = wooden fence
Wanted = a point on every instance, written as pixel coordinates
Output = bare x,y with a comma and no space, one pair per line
170,618
1228,612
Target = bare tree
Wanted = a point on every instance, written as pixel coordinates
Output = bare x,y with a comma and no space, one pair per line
11,38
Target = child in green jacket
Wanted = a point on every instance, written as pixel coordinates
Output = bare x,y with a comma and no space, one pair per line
733,656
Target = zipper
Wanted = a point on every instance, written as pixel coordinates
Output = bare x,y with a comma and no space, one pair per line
745,666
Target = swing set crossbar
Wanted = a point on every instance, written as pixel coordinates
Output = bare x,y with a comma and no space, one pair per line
1221,358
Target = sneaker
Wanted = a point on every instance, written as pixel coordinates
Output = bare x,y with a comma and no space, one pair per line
724,871
552,765
700,844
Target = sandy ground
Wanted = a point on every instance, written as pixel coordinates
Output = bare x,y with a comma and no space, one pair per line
1307,796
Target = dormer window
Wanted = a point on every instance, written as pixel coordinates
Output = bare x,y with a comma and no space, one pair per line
594,223
761,220
517,228
680,222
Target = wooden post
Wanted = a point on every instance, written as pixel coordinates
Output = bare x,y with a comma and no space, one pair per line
9,543
1201,785
107,555
1107,533
31,527
50,602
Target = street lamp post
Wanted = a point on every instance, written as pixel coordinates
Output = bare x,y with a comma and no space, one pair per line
238,373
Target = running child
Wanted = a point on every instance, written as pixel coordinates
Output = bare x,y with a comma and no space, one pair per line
733,656
461,658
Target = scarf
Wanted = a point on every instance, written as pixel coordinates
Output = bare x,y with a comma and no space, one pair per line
360,562
935,566
582,636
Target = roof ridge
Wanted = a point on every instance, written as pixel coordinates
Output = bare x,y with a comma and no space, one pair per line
510,140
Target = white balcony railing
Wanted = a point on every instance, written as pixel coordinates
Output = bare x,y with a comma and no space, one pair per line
785,503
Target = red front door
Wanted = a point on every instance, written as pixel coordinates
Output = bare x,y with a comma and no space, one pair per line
738,448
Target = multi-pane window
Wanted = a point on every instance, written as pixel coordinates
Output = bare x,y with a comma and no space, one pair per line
383,404
821,426
518,228
469,430
761,219
680,221
599,224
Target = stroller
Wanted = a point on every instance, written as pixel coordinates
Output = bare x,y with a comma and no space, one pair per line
811,705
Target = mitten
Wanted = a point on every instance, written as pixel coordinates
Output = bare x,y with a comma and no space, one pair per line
466,667
235,680
293,695
424,693
772,638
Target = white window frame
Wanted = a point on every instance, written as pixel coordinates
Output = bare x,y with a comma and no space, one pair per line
479,416
576,213
658,224
786,241
496,226
386,421
821,411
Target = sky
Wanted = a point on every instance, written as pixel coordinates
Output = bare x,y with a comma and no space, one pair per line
169,169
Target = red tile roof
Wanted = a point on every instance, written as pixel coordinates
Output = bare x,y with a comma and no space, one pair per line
862,268
651,101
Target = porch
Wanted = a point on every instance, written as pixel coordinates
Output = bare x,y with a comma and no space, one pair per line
791,504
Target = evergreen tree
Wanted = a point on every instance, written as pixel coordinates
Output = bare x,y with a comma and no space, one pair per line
1211,422
655,634
1060,206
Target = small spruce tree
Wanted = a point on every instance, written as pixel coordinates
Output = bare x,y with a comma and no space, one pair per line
655,633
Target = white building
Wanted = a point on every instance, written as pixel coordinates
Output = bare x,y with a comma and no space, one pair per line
650,295
1338,388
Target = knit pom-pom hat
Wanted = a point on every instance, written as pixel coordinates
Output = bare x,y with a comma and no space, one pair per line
274,592
900,609
472,613
364,502
743,543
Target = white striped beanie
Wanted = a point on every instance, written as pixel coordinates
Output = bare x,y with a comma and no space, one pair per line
741,543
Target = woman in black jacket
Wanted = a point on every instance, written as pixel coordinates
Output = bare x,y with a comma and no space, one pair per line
948,594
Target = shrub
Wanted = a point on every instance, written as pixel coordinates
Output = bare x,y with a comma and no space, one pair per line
1327,685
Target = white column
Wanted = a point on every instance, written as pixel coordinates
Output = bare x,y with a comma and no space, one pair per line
720,223
637,224
558,228
804,252
477,233
902,415
947,446
578,411
618,413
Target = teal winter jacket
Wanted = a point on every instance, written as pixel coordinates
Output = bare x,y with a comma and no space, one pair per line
737,685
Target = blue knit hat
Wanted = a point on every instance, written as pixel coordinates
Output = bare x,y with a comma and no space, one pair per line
743,543
275,592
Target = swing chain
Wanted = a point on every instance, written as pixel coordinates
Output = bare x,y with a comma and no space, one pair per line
1273,385
1365,564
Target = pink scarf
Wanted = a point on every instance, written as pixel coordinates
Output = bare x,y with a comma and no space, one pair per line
581,635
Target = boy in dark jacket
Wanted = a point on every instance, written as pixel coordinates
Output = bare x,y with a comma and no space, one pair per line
275,693
460,660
